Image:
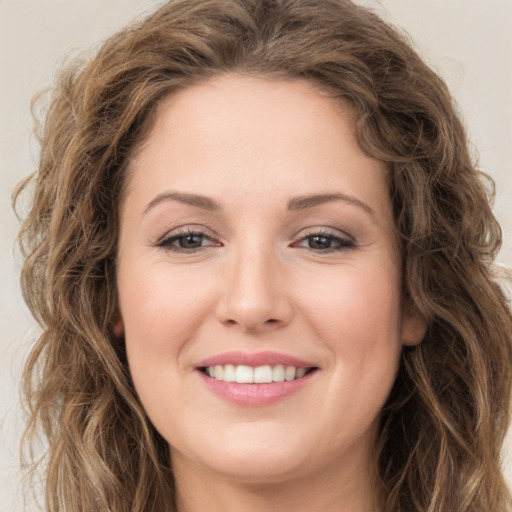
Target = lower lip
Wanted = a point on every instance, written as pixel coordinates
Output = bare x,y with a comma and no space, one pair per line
255,395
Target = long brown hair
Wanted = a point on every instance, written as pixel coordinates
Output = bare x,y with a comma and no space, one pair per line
442,428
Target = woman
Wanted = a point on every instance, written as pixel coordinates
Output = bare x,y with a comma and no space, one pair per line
261,256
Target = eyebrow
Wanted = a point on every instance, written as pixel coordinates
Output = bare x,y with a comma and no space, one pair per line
203,202
295,204
304,202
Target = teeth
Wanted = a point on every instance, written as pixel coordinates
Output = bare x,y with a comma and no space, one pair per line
259,375
262,374
244,374
278,373
289,372
229,373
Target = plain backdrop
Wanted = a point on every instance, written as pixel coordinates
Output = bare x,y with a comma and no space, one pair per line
469,42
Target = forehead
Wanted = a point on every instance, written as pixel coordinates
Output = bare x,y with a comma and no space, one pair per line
257,135
254,102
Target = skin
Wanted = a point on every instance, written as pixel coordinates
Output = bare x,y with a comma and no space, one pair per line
255,280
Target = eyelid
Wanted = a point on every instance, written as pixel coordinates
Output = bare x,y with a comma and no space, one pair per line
182,231
324,231
346,241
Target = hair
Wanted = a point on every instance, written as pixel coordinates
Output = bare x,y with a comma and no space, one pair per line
443,425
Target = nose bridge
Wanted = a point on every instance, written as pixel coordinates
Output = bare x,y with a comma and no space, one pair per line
254,298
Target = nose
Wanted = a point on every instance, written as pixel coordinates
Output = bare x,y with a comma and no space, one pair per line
254,297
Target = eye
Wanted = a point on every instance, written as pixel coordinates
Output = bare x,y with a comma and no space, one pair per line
186,241
325,242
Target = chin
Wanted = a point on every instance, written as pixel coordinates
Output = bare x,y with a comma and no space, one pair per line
266,469
258,457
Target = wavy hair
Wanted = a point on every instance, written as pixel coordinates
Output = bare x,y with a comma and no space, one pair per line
443,425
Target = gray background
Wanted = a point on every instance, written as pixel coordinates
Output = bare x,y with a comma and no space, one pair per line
469,42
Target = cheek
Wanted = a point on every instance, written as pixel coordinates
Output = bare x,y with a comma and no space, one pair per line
161,312
358,304
357,318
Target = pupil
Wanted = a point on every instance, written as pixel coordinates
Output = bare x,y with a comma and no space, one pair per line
190,241
319,242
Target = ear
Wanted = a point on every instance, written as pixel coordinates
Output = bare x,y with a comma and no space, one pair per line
414,326
118,328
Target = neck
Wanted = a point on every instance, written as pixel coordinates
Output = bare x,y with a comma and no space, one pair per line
329,490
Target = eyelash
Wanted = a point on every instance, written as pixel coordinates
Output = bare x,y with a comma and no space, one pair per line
343,244
167,241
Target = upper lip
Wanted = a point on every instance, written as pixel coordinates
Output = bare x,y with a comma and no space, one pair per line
254,359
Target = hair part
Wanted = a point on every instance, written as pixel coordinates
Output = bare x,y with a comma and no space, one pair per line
443,425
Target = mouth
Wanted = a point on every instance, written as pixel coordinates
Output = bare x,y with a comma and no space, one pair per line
255,379
265,374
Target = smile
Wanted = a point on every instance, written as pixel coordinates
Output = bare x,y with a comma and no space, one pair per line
244,374
255,379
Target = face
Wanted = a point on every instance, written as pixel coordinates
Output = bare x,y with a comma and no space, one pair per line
259,281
